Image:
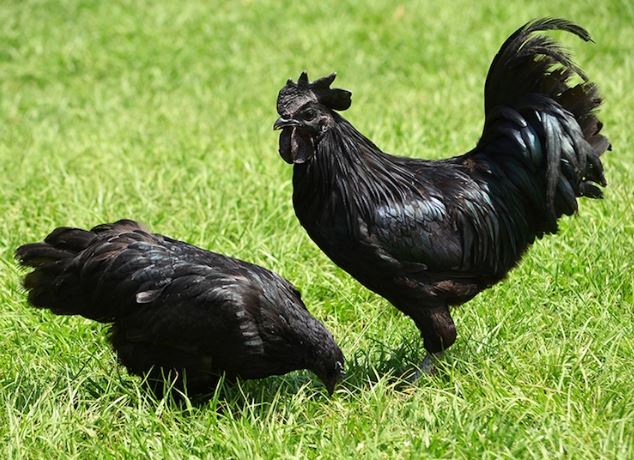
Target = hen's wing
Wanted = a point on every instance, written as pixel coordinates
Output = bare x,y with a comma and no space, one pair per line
204,312
179,297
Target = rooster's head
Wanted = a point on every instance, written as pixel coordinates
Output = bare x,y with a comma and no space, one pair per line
306,112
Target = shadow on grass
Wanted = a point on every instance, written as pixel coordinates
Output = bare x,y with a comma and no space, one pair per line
98,381
364,369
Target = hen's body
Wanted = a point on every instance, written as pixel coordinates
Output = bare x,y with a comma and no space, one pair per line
176,307
429,234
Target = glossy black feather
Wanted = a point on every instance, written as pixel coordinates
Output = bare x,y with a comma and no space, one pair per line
176,307
428,234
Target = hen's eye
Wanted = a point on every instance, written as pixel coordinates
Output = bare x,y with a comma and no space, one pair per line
310,114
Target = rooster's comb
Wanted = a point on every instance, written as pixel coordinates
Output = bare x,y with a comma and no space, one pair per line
294,95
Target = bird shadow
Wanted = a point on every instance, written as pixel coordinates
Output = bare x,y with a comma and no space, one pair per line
396,366
377,363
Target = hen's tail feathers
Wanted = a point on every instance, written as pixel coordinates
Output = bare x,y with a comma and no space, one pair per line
57,283
61,279
54,283
541,124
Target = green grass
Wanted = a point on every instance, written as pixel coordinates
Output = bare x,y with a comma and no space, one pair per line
162,112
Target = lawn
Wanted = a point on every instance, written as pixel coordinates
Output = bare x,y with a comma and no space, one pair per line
162,112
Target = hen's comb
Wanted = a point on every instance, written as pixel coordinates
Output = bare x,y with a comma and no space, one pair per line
294,95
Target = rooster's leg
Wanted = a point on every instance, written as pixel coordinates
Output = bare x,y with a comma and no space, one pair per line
439,333
426,368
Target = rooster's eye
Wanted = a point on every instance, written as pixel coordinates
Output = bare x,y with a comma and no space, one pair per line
310,114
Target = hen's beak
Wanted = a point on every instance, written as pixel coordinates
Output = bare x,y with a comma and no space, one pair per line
331,382
284,122
330,386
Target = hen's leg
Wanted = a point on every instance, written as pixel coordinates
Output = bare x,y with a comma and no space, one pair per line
439,333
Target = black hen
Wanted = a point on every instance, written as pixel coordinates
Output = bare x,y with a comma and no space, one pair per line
178,309
430,234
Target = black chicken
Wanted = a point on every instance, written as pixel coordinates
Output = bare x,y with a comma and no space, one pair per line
429,234
178,309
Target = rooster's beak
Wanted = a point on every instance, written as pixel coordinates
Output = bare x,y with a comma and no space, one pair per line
284,122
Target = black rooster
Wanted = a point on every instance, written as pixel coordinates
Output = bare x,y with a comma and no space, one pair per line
179,309
429,234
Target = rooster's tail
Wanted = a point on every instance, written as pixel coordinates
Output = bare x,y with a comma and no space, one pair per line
540,129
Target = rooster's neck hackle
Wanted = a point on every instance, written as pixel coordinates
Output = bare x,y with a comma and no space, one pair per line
350,169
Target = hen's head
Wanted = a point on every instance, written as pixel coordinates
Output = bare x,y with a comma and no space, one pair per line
306,112
327,363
